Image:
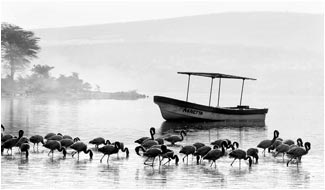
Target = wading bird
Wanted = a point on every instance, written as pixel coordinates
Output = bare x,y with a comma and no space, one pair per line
267,143
68,142
187,150
200,152
151,131
215,154
298,152
55,145
109,150
169,154
48,135
24,147
36,139
198,145
240,154
98,141
10,143
174,138
81,147
253,152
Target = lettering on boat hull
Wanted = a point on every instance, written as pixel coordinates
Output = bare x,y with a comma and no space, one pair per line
192,111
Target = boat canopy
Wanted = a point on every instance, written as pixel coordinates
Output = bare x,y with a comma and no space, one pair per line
215,75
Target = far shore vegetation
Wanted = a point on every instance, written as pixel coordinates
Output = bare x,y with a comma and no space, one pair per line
18,48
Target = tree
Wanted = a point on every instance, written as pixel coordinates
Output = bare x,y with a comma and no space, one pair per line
42,70
18,47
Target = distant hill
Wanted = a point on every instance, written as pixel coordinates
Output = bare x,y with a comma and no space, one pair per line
284,51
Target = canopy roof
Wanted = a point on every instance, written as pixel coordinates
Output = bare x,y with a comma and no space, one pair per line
215,75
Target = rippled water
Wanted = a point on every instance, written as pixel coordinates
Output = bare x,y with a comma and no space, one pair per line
127,121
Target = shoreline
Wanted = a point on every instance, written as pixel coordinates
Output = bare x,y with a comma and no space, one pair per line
129,95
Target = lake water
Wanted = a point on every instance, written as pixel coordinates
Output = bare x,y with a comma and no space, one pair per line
127,121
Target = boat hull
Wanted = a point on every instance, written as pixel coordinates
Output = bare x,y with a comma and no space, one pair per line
173,109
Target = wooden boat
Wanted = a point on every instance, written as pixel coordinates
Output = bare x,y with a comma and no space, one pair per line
173,109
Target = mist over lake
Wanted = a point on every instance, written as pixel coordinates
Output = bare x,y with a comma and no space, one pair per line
282,50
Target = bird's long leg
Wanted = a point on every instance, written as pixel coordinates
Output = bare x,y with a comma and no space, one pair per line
264,152
211,164
289,161
34,147
107,158
78,156
49,153
233,162
215,164
153,161
239,162
283,157
167,161
145,162
297,161
184,158
102,158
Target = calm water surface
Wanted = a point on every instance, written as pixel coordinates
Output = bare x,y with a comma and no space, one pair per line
127,121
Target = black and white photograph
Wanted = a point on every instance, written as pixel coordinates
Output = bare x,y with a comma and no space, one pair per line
183,94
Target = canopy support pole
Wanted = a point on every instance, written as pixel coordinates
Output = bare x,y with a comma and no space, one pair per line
219,91
211,90
188,86
242,89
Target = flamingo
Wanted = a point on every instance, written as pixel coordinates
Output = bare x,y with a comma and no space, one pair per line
298,152
98,141
283,148
152,153
123,149
55,145
47,136
56,137
36,139
289,142
10,143
152,132
187,150
274,145
147,143
68,142
198,145
81,147
215,154
24,147
4,138
22,140
109,150
267,143
200,152
169,154
254,153
299,144
174,138
240,154
220,141
67,137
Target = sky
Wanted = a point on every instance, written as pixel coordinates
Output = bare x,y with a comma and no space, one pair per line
33,14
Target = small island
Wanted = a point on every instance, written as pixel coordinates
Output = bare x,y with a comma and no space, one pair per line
18,48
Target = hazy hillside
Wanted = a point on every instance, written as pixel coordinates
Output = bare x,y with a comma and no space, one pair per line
284,51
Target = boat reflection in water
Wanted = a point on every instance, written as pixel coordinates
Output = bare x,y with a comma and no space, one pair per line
247,134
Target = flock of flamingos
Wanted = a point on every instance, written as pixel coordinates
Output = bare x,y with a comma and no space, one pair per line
154,147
